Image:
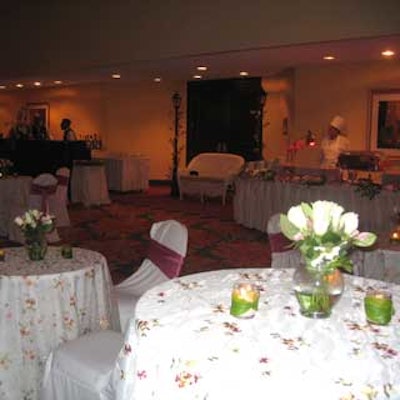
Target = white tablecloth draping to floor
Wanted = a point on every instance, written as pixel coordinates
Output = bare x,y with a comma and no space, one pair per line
44,303
256,200
190,347
89,184
127,173
14,192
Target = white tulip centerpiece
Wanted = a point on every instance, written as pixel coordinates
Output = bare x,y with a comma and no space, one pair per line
324,233
35,225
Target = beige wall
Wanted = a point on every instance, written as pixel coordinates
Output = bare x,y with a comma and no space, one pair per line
319,93
138,118
135,118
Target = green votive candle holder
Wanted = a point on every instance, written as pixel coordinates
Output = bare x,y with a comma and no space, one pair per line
66,251
245,298
378,307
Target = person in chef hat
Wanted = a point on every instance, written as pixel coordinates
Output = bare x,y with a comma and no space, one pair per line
334,143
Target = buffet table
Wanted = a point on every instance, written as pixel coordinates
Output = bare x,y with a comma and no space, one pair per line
45,303
256,200
190,347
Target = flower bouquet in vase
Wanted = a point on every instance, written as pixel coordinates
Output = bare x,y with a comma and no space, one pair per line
35,225
324,233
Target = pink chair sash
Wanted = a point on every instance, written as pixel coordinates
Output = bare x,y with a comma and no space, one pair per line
44,192
166,259
62,180
279,243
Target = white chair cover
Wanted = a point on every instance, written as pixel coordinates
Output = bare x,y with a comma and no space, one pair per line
35,201
96,366
289,258
173,235
58,203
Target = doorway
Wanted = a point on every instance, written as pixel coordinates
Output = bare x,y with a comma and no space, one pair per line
225,116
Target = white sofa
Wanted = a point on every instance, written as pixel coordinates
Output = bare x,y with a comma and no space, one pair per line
210,175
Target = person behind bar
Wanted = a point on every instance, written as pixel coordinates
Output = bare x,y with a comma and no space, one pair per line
69,133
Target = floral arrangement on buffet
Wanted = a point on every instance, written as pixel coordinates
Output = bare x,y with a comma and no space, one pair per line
367,188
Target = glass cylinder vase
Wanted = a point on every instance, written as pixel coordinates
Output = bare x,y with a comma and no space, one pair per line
36,247
317,290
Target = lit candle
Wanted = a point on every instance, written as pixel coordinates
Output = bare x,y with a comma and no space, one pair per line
245,297
395,236
378,307
2,255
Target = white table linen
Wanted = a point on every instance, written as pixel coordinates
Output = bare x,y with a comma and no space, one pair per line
89,185
127,173
190,347
45,303
14,193
257,200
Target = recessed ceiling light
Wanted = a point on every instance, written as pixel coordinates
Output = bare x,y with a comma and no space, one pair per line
197,77
201,68
3,87
243,73
157,79
19,85
388,53
116,76
329,58
58,82
37,83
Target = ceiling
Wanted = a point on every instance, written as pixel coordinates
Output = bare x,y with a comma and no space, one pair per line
257,62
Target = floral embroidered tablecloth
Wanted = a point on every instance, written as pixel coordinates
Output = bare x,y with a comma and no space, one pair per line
190,347
44,303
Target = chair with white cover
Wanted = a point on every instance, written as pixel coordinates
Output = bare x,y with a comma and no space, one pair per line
42,196
96,366
58,203
283,255
42,193
168,247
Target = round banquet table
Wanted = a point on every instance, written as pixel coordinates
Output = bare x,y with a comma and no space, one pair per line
190,347
45,303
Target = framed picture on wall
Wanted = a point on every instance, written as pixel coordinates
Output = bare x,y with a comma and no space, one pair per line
39,110
385,122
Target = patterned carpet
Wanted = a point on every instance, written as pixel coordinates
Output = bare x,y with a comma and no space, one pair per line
120,231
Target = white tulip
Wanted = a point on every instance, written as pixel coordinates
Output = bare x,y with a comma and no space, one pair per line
297,218
349,222
321,216
336,213
19,221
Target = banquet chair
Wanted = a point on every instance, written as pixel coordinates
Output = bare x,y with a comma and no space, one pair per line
42,194
166,253
58,203
283,255
95,366
43,198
